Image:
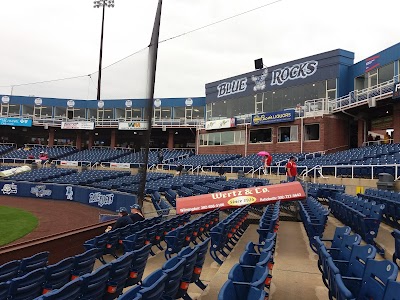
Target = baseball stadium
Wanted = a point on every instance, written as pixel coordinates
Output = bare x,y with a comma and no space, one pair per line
279,183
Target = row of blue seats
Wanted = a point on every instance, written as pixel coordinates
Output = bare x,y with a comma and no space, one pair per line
349,270
160,205
227,233
314,217
106,282
30,277
391,201
324,190
362,216
252,275
188,233
173,279
134,236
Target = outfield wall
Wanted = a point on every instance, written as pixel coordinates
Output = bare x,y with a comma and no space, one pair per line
105,199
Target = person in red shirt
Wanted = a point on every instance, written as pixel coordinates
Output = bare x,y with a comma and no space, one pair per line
291,169
267,162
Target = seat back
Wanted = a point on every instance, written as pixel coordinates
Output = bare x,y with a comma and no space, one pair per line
359,256
346,247
139,261
153,286
376,276
4,287
94,284
119,272
83,263
132,294
396,254
231,291
392,291
9,270
174,268
59,274
34,262
28,286
70,291
338,235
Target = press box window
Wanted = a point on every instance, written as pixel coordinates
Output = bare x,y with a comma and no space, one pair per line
311,132
287,134
261,135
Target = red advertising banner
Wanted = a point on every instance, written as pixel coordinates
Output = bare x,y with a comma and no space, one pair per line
227,199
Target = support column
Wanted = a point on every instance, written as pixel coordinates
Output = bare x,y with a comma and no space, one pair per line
51,137
396,123
91,139
79,140
171,139
113,138
361,133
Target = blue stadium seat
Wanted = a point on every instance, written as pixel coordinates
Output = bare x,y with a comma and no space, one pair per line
232,291
28,286
254,276
139,261
174,268
373,283
152,288
4,287
190,256
34,262
59,274
392,291
396,254
335,241
94,285
9,270
119,272
70,291
83,263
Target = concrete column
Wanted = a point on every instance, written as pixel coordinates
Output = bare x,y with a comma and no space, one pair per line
396,123
51,137
361,134
171,139
79,140
113,138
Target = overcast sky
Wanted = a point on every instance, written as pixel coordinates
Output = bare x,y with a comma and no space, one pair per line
51,39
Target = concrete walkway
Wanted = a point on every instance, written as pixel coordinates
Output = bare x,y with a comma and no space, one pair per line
295,274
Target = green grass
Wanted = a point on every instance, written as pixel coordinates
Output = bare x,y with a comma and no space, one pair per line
15,223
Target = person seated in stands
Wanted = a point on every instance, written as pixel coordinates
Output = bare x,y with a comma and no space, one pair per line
179,169
122,221
286,138
136,214
370,138
160,155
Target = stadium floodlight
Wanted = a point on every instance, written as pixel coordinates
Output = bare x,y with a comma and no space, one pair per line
103,4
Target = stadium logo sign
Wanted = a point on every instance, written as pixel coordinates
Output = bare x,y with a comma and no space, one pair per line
233,87
259,81
101,199
69,192
40,191
9,188
301,70
70,103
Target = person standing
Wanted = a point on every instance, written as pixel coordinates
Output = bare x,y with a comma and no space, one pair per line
267,163
291,169
136,214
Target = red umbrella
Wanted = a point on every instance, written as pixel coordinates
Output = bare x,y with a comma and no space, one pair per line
263,153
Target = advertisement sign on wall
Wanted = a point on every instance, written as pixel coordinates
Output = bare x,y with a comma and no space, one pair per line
15,122
219,124
78,125
120,165
396,91
274,117
138,125
229,199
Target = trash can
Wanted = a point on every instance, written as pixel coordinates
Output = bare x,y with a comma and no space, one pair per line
385,181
